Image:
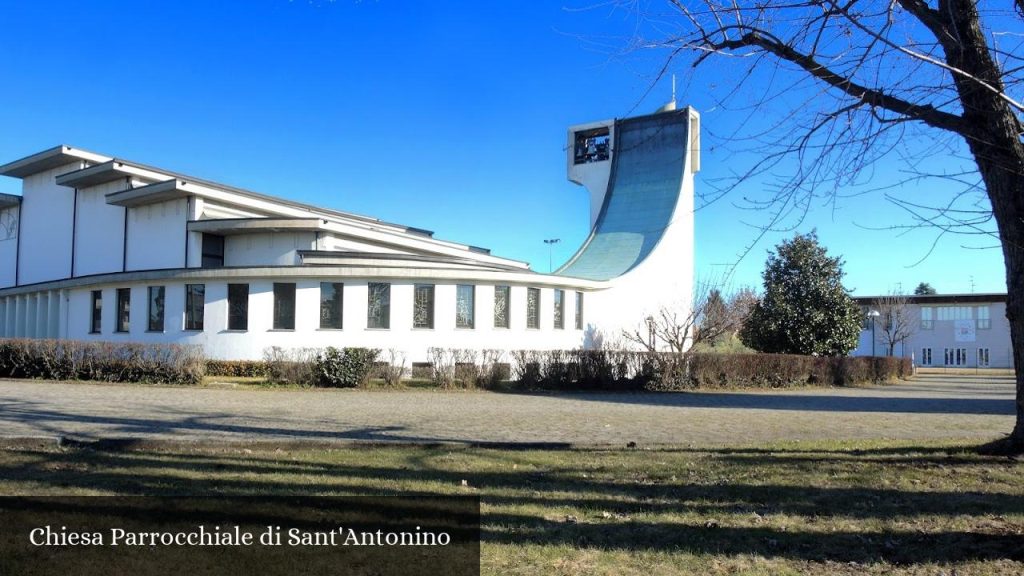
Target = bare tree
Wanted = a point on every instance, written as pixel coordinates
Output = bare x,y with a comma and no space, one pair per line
896,321
874,75
710,317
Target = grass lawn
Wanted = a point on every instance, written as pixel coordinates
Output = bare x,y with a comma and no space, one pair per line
835,508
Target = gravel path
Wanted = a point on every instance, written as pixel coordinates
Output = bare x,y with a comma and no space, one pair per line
931,406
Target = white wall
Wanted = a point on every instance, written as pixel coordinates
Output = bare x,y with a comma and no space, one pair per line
250,344
8,244
46,223
99,231
270,249
156,235
941,336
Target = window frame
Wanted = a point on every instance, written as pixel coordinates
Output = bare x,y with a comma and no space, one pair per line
429,292
192,323
533,316
507,290
284,302
161,308
243,314
579,310
122,323
558,309
984,317
384,306
96,312
460,290
338,302
214,250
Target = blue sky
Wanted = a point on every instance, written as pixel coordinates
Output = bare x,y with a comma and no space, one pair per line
445,116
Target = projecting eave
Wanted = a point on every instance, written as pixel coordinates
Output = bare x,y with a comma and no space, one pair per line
47,160
392,260
108,172
236,226
9,200
159,192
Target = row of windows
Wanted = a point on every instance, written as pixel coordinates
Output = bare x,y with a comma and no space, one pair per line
378,311
980,314
956,357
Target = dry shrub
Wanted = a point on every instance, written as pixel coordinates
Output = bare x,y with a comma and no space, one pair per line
105,361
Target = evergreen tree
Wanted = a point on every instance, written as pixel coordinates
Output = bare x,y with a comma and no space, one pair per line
805,308
924,289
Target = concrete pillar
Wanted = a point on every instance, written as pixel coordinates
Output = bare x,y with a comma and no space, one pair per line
31,309
19,322
53,327
42,314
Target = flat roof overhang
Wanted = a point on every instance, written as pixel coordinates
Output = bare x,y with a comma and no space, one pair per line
107,172
9,200
48,159
934,299
158,192
236,226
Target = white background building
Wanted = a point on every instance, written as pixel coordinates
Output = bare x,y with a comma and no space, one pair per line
956,330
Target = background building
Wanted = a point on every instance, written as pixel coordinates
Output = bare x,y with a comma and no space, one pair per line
106,249
958,330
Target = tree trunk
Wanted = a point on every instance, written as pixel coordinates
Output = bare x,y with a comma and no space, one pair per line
994,138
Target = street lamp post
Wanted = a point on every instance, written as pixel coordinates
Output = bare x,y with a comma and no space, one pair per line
551,243
873,314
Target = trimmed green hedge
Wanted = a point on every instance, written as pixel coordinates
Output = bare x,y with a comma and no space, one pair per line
105,361
616,370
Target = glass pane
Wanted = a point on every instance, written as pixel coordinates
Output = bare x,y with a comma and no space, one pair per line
330,304
464,302
124,299
559,309
423,306
97,311
378,310
579,310
284,306
156,309
195,300
238,306
533,307
501,300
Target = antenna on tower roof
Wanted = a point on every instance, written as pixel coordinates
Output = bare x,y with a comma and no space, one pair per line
672,103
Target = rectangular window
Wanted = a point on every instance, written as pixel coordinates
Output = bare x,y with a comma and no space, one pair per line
156,309
502,297
331,294
946,313
559,309
423,306
955,356
984,321
238,306
213,251
533,307
195,306
926,318
124,309
378,309
96,323
926,357
983,357
579,310
284,306
465,300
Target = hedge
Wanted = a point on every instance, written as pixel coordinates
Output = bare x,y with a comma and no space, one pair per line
105,361
615,370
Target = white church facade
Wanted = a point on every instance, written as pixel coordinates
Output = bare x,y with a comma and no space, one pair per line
100,248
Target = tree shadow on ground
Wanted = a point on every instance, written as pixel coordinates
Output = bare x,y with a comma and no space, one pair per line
564,506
